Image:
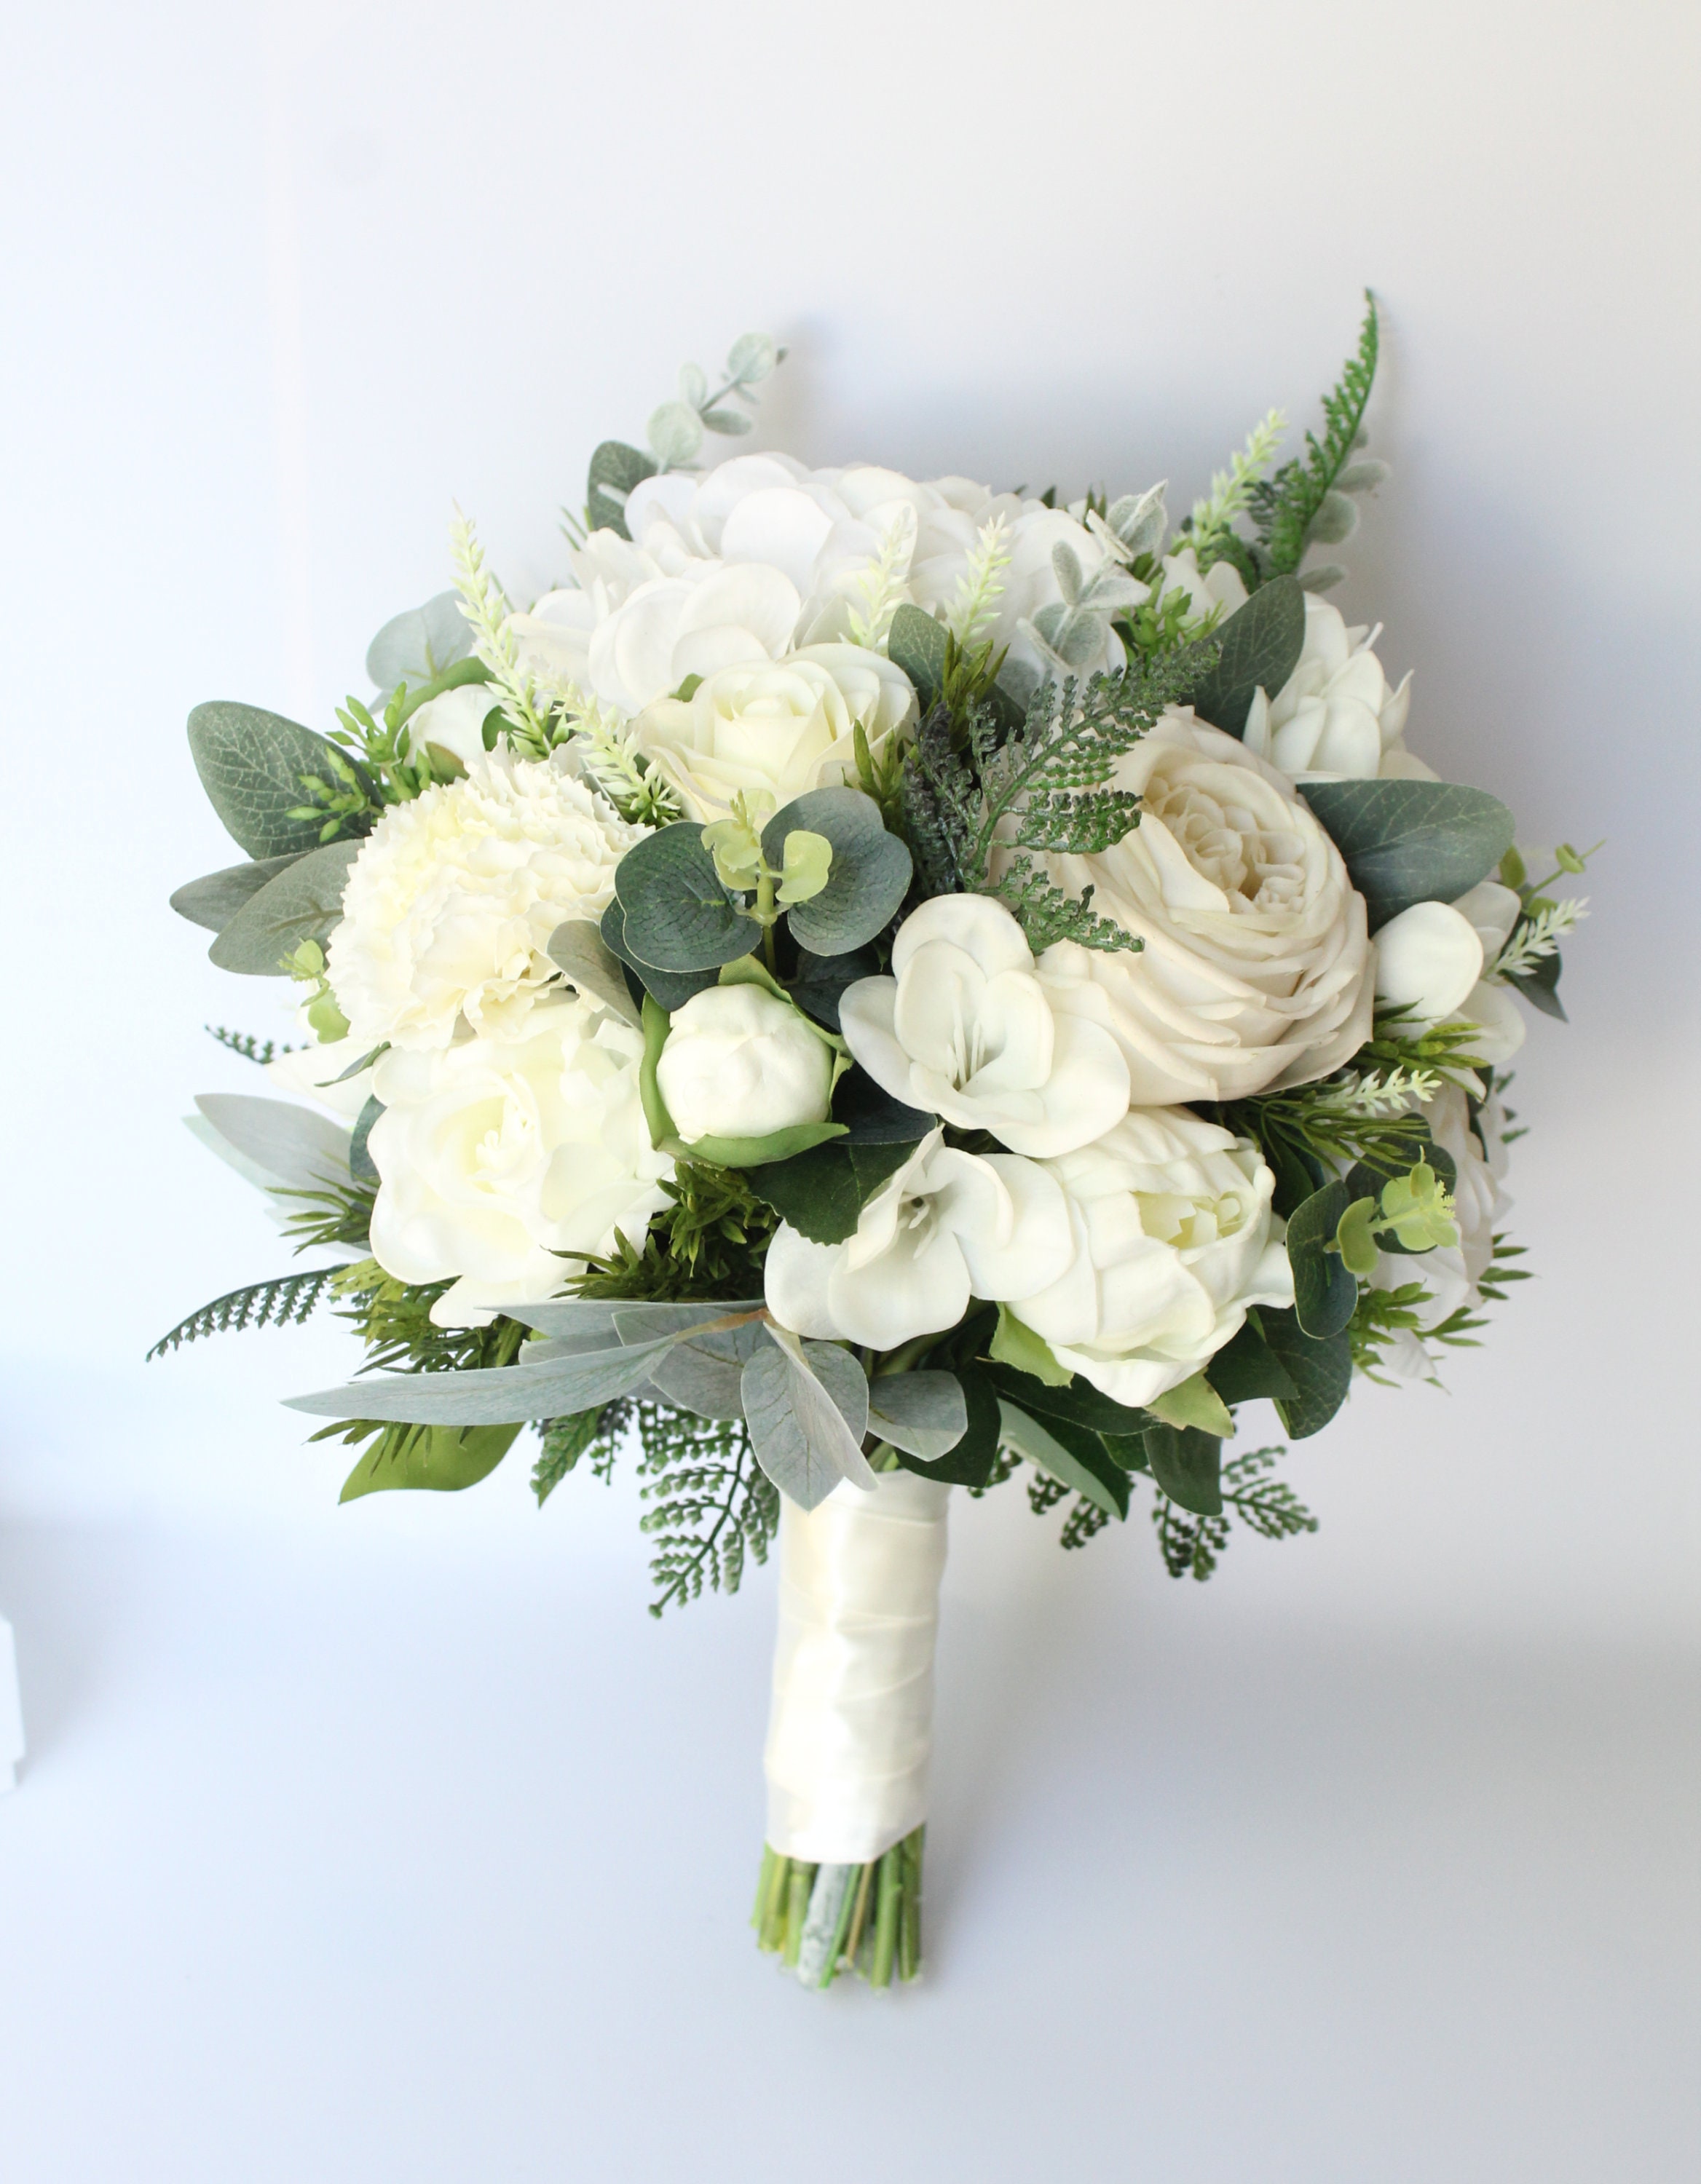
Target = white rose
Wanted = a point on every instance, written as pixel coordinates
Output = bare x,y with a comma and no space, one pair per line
1336,718
455,721
948,1226
450,904
1175,1239
1430,959
1451,1273
740,1063
771,731
969,1028
1254,971
497,1156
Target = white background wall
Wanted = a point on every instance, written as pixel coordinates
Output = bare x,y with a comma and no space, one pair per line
394,1841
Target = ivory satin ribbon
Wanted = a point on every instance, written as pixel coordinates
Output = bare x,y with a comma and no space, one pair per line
852,1722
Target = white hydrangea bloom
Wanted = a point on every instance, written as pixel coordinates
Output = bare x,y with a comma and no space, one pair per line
451,902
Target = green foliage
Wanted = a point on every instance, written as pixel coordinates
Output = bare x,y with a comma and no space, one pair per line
254,765
1259,648
337,1213
710,1502
1382,1313
284,1303
1285,509
214,899
432,1459
1192,1545
304,903
594,1434
708,1242
1407,842
245,1044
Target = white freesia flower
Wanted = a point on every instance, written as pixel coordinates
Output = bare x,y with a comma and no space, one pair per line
1492,910
1254,970
948,1226
1432,958
1451,1273
772,731
968,1027
495,1155
1175,1239
740,1063
455,721
450,904
1336,718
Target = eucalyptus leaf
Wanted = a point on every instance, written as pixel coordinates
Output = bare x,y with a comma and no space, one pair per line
807,1411
1411,841
446,1460
615,470
1321,1372
677,915
1260,645
865,882
1324,1293
670,990
873,1116
251,765
501,1395
970,1461
733,422
361,1162
675,434
916,643
419,645
214,900
296,1148
822,982
303,902
923,1413
1079,1459
752,357
1539,986
579,949
1188,1466
1365,1179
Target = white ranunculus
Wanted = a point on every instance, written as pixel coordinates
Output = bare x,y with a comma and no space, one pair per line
497,1156
740,1063
771,731
455,721
450,904
948,1226
1432,956
1451,1273
1336,718
1254,971
1175,1239
969,1028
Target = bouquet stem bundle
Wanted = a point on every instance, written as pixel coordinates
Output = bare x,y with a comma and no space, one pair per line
822,1919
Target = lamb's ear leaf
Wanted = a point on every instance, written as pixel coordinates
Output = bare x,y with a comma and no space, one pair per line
1070,1453
443,1459
251,765
1325,1292
1321,1372
807,1405
705,1373
213,900
922,1414
419,645
1411,841
678,915
916,643
493,1395
1259,645
866,881
295,1148
969,1461
578,948
615,469
1188,1465
303,902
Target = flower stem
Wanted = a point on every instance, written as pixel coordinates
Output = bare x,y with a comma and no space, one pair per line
875,1911
886,1921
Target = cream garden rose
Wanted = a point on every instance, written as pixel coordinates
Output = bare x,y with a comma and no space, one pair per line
450,904
1254,970
496,1157
1175,1239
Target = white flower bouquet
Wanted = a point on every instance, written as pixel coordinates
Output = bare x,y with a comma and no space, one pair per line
867,988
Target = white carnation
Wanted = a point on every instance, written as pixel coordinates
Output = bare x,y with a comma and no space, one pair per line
450,904
496,1156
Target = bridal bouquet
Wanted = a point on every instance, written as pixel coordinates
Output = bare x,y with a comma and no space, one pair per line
867,988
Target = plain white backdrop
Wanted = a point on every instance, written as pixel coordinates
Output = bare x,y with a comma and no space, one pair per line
395,1842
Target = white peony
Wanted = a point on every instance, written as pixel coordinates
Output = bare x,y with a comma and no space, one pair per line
1451,1273
772,731
455,721
450,904
1430,959
948,1226
1336,718
1255,967
969,1028
740,1063
497,1156
1175,1239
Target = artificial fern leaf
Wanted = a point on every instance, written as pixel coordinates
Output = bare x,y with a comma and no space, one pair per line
1286,507
290,1299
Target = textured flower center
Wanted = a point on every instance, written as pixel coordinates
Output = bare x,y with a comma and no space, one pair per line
1190,1222
1259,866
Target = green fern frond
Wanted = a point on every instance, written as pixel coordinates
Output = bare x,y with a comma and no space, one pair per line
711,1502
284,1303
1284,507
245,1044
1192,1546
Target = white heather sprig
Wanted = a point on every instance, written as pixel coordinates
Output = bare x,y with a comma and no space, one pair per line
981,585
1538,937
1382,1093
485,606
882,584
1231,489
610,754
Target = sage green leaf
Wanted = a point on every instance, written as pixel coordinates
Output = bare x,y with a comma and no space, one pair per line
705,1373
615,470
578,948
821,1193
1411,841
360,1163
444,1460
1078,1458
644,1322
865,882
294,1148
672,990
214,900
1324,1293
419,645
1539,986
822,981
675,434
1077,1401
923,1413
807,1405
1195,1405
752,357
491,1395
1188,1465
969,1462
1246,1367
676,913
303,902
916,643
251,765
1321,1372
1260,645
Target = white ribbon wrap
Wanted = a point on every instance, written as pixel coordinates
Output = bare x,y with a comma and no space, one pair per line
852,1724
